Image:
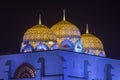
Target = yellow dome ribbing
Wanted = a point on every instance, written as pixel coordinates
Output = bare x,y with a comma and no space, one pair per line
39,33
65,29
92,43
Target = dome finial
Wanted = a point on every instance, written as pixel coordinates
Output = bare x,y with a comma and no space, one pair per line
87,31
39,18
64,15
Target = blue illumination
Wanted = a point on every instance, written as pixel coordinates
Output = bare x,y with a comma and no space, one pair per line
27,48
101,54
67,44
90,51
41,47
54,46
78,46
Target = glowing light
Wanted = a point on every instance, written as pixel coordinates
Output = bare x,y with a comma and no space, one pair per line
78,46
87,31
41,47
50,42
64,18
54,46
39,18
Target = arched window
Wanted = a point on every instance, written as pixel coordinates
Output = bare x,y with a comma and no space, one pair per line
67,45
41,47
54,46
27,48
42,69
78,46
25,71
108,72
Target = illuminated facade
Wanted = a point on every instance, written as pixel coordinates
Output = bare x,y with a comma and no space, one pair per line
59,53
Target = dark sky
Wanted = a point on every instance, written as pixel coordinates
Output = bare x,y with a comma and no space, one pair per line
103,18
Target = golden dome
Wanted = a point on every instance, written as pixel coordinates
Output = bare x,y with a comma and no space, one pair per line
39,33
91,41
92,44
65,29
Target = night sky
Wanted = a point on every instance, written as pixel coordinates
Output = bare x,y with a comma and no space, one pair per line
103,18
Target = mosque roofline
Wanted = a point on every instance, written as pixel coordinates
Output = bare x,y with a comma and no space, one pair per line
59,51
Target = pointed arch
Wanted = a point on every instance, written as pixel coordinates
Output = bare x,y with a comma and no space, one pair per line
108,72
41,47
79,46
25,71
67,45
27,48
54,46
42,69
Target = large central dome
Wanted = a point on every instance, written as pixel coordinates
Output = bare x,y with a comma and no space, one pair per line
66,33
65,29
39,33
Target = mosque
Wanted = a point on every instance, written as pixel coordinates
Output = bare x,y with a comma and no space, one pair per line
59,53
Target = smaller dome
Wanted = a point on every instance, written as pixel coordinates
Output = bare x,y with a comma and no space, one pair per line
39,33
92,44
91,41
